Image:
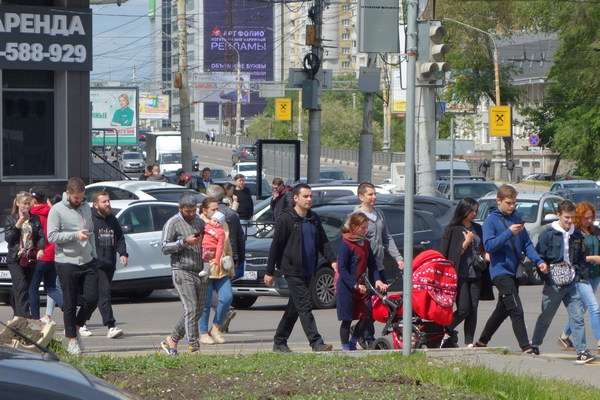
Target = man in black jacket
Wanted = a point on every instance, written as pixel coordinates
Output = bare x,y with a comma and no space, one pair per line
109,241
281,198
246,207
297,241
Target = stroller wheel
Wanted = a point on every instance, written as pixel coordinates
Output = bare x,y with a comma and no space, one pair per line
383,343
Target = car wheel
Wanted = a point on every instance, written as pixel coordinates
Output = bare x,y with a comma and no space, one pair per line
323,288
243,302
383,343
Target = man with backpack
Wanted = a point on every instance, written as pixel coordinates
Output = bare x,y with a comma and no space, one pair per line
562,246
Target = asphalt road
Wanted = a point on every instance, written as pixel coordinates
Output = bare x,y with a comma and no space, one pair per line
145,323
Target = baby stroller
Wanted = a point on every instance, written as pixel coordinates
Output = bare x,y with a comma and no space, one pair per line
434,283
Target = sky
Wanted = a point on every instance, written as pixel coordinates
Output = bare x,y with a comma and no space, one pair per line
121,41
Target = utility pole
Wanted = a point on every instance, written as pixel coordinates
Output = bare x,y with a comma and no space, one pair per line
426,175
282,46
300,114
365,151
314,113
409,172
182,84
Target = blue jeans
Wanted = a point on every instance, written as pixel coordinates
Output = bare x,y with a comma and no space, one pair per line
587,293
225,295
45,271
552,296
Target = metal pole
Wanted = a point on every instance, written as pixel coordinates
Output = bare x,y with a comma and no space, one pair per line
314,114
387,115
184,99
220,120
452,158
282,45
409,170
426,141
496,73
238,104
365,151
300,114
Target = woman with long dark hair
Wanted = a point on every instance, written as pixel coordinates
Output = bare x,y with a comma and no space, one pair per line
462,244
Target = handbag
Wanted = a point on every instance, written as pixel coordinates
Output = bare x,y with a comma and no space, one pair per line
28,258
227,263
562,273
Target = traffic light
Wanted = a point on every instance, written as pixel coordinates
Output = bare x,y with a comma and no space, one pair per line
431,66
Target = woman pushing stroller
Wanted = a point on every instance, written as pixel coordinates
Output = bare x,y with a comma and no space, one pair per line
355,258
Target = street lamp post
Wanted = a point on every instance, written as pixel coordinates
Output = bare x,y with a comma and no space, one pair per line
238,105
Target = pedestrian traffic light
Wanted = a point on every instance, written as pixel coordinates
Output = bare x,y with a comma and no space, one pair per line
431,66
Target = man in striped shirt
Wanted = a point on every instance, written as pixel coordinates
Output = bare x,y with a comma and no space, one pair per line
181,239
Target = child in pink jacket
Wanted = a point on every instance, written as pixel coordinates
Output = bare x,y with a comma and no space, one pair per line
213,243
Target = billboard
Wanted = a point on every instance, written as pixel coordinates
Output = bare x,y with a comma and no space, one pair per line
219,87
246,25
154,106
114,115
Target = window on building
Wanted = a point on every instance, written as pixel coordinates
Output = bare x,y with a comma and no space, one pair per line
345,50
345,36
536,164
346,7
346,22
28,134
345,64
354,43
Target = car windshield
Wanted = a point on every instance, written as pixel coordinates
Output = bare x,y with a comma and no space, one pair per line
333,175
579,185
170,158
218,174
247,167
171,194
528,209
132,156
474,191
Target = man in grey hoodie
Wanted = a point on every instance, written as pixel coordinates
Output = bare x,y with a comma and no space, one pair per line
71,229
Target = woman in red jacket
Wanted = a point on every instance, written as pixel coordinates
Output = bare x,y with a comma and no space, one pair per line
45,267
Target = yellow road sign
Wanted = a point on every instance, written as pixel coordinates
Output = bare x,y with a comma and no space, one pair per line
500,123
283,109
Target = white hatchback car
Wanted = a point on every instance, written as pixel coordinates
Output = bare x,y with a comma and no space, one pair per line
127,191
248,169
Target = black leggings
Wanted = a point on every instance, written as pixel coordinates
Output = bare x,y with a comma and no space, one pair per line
359,330
467,302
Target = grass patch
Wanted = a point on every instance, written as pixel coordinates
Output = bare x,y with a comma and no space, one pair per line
312,376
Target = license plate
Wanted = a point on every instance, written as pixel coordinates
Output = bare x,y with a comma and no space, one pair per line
250,275
4,274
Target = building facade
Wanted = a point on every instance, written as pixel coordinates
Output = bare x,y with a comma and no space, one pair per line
45,121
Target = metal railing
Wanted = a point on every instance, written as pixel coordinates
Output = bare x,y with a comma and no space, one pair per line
104,170
346,155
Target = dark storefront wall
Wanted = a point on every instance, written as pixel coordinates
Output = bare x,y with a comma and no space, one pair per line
45,124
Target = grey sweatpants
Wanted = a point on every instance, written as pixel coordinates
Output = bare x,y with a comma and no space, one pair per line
192,293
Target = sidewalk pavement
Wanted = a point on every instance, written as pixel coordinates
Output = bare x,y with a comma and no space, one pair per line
554,366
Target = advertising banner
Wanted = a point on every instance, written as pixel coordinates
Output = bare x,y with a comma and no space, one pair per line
154,106
114,115
208,87
247,25
45,38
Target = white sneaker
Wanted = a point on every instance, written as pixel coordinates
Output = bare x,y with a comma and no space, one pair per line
73,347
114,332
205,338
216,335
203,274
470,346
85,332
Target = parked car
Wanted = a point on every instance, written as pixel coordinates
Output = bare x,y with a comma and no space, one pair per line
538,177
537,210
248,169
243,153
139,190
132,161
252,185
148,269
572,184
466,188
577,195
27,375
250,286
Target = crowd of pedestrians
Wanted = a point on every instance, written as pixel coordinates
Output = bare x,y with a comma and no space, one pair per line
73,249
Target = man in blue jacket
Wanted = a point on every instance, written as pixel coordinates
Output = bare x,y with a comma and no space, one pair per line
563,244
506,239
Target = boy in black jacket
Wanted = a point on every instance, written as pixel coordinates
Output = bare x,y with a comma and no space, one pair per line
109,242
562,243
297,240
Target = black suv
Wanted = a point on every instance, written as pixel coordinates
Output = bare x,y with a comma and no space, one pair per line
427,234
